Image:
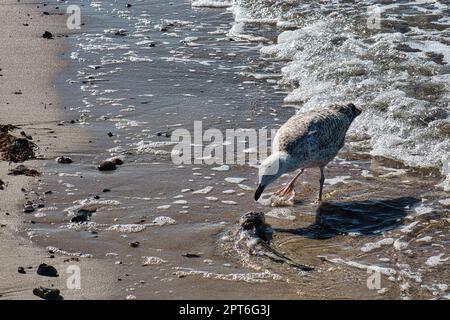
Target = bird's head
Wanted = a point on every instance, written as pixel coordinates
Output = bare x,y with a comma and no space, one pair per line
270,170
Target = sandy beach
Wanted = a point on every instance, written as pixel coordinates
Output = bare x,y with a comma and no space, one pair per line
151,228
29,65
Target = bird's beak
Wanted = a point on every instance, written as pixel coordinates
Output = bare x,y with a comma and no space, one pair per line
259,191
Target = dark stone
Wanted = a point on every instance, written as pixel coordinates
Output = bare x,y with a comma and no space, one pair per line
21,270
47,294
164,134
120,33
191,255
47,35
83,215
117,161
47,270
135,244
79,219
107,165
28,207
63,160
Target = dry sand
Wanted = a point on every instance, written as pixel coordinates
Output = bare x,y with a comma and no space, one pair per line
29,64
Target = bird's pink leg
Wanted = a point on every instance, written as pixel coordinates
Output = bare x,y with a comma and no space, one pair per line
289,189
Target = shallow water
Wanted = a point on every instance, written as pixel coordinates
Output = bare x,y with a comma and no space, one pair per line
376,212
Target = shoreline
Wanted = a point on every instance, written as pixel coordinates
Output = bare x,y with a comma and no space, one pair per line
151,90
37,110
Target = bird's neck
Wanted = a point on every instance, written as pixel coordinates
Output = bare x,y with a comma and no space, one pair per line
286,161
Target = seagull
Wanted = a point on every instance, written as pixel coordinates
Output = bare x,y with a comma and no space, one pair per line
306,140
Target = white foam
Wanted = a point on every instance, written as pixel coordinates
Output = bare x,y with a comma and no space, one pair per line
436,260
370,246
400,245
127,228
162,221
245,187
281,213
409,228
330,63
385,271
221,168
230,191
152,261
204,190
445,202
164,207
66,253
425,239
235,180
337,180
211,3
261,277
229,202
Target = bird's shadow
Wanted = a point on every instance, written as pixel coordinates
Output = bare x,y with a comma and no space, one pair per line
364,217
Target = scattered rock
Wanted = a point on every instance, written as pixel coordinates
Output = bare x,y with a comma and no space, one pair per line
28,207
79,219
22,170
47,294
83,215
117,161
107,165
135,244
63,160
2,184
121,33
191,255
151,261
166,134
47,35
21,270
47,270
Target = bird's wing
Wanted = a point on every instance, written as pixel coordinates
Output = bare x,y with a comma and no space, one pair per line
313,136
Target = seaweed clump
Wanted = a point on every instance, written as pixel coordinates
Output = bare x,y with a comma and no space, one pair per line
15,149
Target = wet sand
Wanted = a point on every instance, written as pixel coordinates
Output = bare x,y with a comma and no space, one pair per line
367,200
29,64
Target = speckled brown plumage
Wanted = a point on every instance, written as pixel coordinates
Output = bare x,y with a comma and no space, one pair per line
313,139
306,140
